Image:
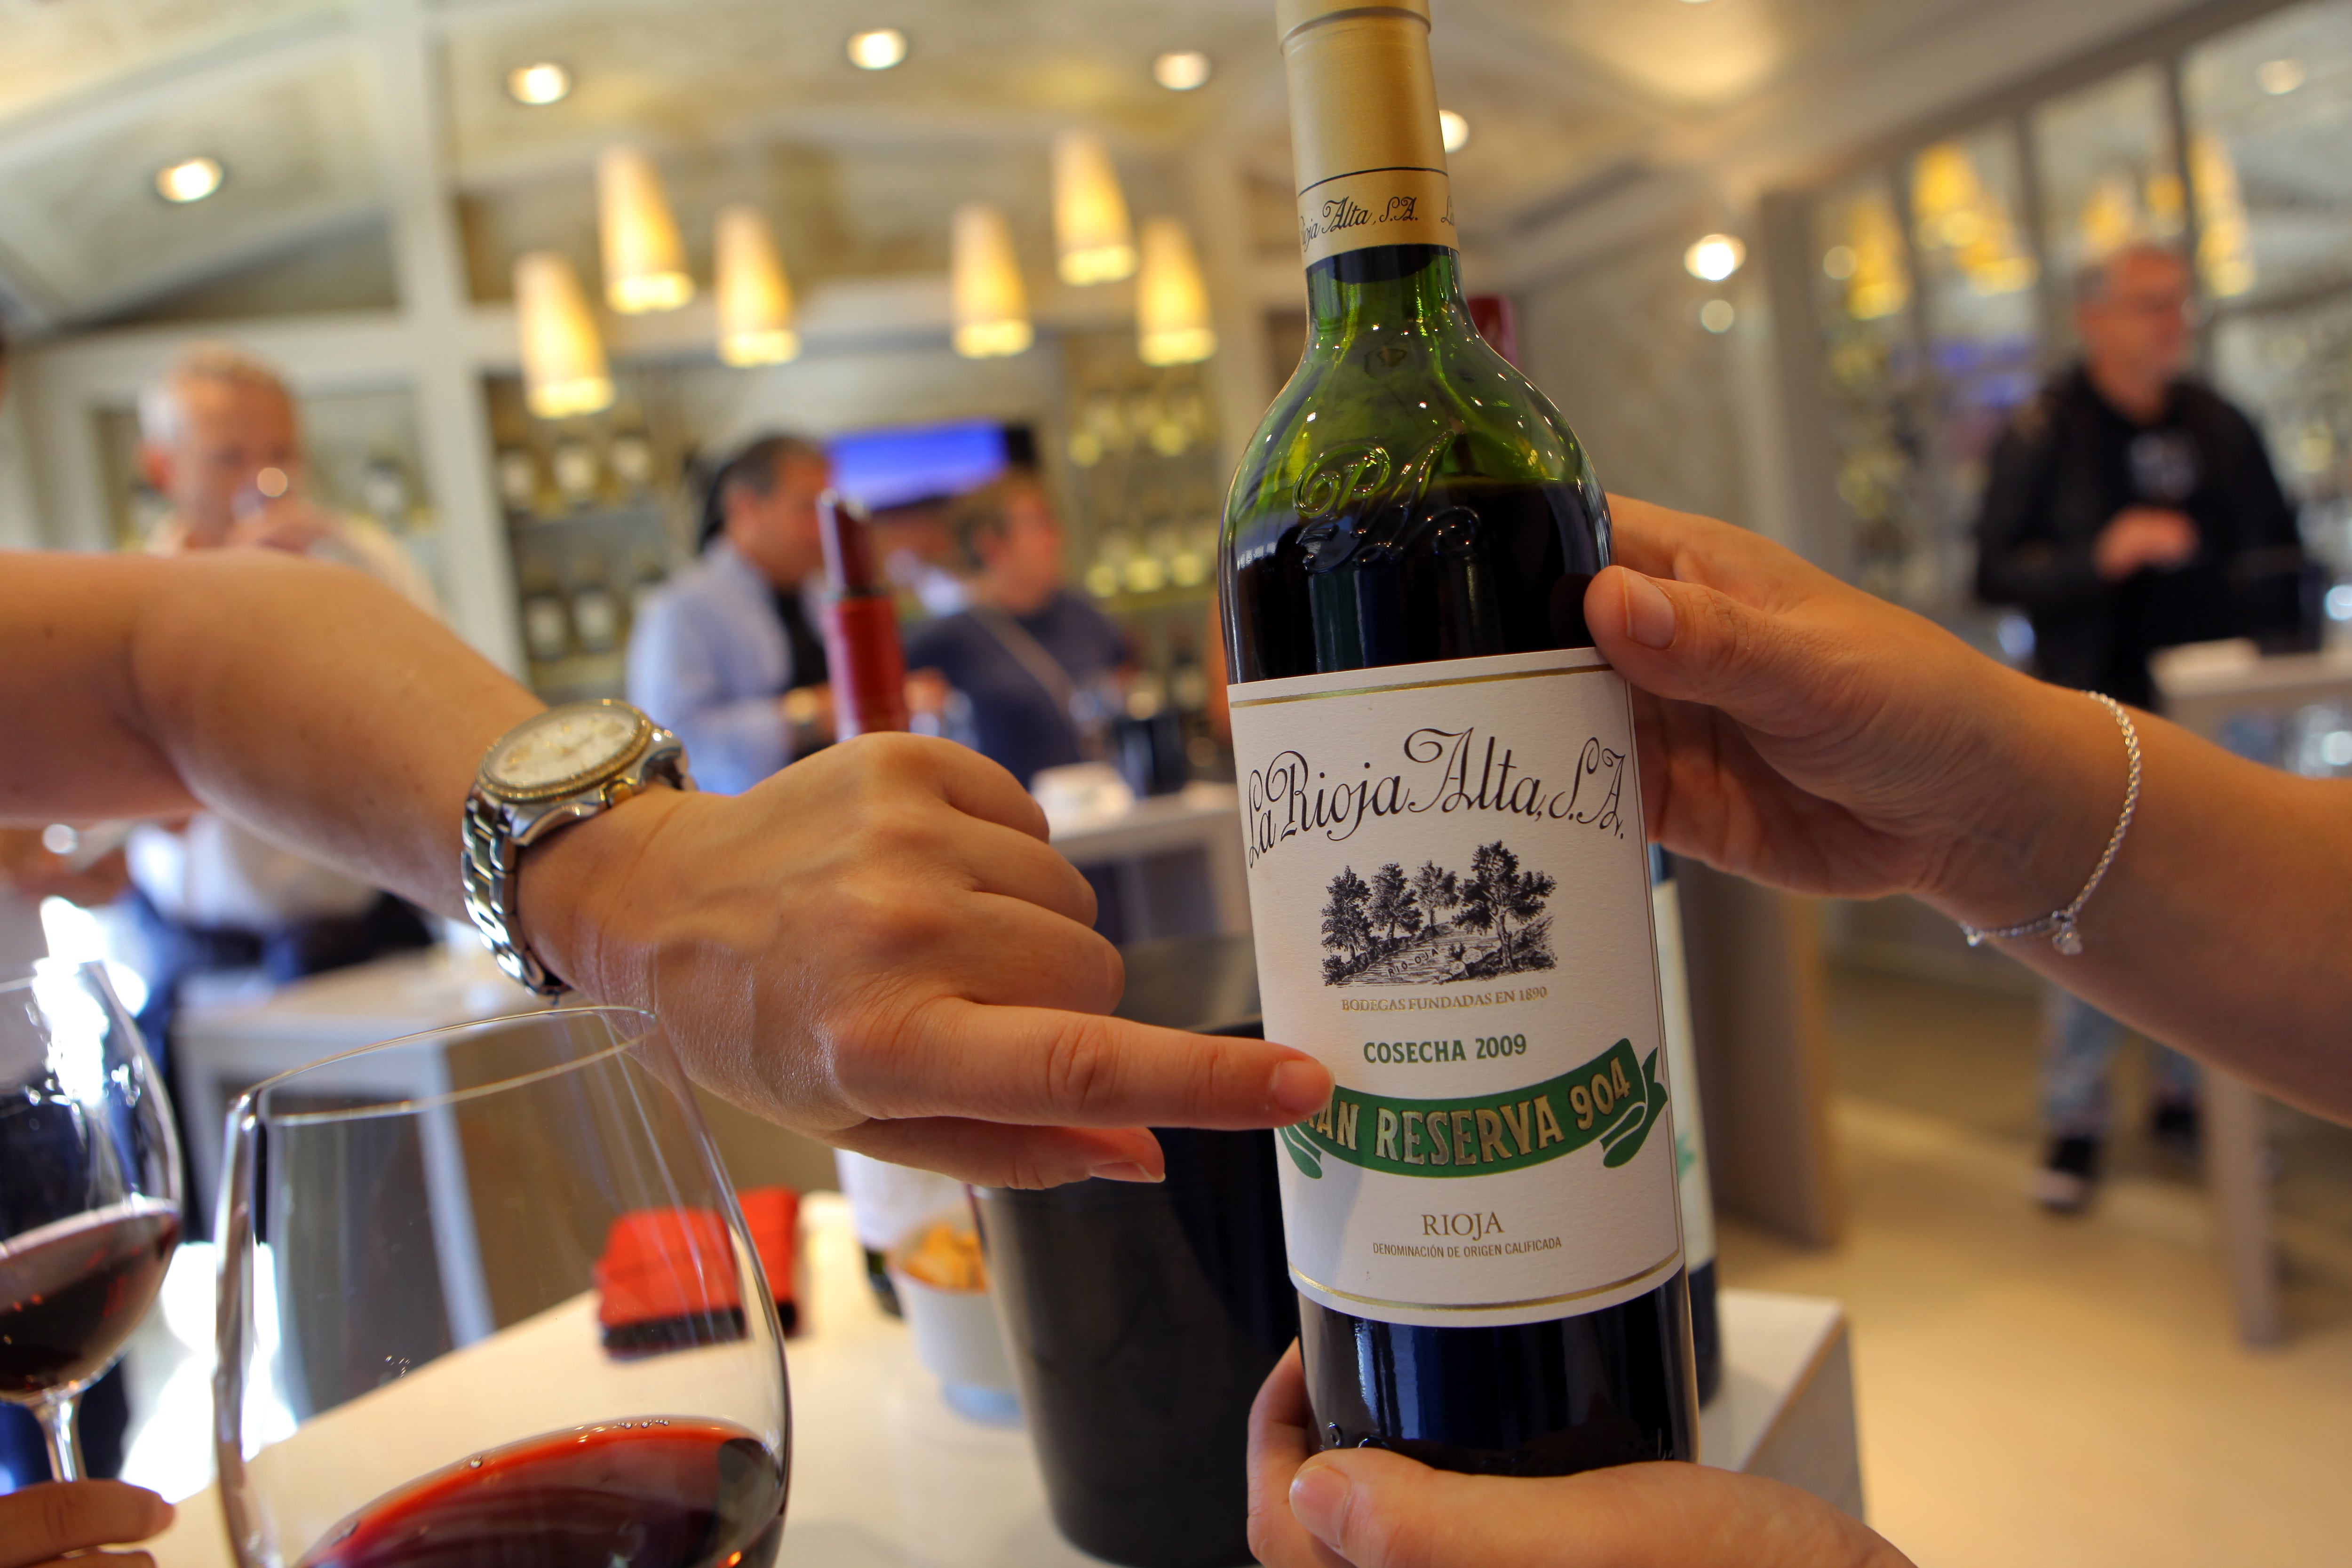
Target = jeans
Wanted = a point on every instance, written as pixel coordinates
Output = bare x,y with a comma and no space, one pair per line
2078,1046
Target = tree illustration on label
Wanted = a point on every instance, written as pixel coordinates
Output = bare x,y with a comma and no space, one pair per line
1437,927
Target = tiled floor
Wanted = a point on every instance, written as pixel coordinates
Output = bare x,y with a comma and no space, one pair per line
2043,1391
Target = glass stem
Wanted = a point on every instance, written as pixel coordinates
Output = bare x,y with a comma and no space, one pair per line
59,1418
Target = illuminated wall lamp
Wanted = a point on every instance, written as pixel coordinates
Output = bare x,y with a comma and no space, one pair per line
992,307
755,300
1171,302
645,265
563,369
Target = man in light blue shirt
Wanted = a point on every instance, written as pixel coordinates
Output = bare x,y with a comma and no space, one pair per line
726,653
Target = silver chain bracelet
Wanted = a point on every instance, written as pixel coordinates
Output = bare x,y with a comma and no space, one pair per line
2059,925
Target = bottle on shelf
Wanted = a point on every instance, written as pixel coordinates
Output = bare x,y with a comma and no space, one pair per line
596,616
1448,877
546,621
577,470
1690,1129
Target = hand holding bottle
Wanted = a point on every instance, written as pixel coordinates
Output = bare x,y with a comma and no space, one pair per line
1367,1508
40,1525
1800,733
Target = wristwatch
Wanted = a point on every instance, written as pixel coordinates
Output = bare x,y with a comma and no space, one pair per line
555,768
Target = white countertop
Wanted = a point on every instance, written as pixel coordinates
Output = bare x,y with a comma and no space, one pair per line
884,1475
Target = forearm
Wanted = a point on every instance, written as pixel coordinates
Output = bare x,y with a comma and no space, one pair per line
2224,926
308,702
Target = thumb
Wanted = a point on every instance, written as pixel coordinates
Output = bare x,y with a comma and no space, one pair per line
1691,643
1379,1510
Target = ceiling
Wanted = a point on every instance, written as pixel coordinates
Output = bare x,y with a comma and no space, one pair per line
755,100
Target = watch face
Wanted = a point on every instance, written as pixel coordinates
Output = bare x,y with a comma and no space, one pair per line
564,747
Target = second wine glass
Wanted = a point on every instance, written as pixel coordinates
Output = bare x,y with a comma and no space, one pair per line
90,1190
487,1298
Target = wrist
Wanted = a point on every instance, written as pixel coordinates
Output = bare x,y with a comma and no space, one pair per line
2050,788
570,893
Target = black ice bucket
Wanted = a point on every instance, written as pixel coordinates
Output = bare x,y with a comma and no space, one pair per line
1143,1319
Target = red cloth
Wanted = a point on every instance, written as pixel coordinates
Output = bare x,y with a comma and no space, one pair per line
676,1263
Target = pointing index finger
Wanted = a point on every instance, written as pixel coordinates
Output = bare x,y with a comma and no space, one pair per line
1041,1067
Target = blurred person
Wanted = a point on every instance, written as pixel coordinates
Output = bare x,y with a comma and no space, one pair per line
2129,509
1043,669
221,441
1800,732
730,653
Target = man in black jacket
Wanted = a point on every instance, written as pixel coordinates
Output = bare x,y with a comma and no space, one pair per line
2129,510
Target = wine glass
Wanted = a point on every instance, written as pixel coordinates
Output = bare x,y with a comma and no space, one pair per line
488,1288
90,1190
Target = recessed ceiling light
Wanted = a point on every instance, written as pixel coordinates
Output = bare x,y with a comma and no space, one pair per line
539,85
878,50
189,180
1453,130
2279,78
1181,71
1715,257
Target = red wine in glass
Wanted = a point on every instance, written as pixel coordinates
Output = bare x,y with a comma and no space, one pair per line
90,1190
649,1492
72,1291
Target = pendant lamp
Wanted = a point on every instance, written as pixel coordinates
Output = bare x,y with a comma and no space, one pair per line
755,302
563,370
1092,237
1171,302
991,308
644,266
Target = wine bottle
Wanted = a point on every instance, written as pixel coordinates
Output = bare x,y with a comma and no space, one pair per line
867,665
1444,833
1690,1133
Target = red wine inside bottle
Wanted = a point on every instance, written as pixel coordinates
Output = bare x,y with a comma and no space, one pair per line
1448,879
70,1293
649,1492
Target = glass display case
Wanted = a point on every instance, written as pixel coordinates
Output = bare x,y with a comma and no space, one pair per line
597,513
1943,281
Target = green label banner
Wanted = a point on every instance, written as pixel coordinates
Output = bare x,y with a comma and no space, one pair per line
1612,1100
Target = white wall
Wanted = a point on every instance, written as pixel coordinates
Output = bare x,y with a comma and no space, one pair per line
19,524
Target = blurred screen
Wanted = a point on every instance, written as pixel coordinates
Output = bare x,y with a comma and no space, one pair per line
892,468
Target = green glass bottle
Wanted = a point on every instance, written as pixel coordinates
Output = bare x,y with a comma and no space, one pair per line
1448,877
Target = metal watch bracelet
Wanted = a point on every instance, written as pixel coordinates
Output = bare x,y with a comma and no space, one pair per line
496,833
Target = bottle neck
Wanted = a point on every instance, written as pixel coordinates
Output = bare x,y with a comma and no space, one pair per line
1414,289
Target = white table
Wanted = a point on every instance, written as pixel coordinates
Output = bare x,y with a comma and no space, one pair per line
2202,692
1179,858
886,1476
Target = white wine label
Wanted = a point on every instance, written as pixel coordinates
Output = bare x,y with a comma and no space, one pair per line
1450,896
1682,1072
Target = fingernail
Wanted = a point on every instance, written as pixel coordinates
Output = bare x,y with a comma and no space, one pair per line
1124,1170
1318,1501
1649,614
1300,1086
